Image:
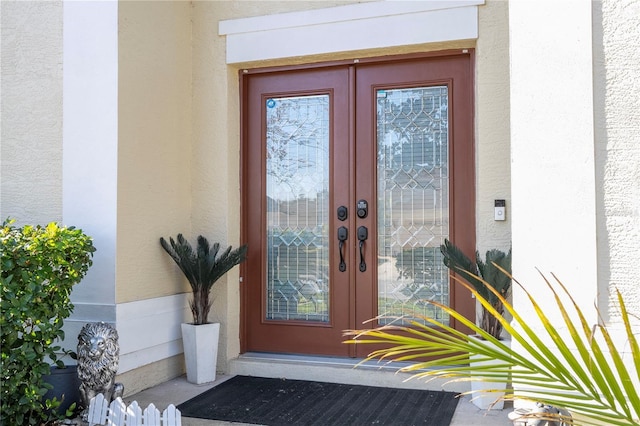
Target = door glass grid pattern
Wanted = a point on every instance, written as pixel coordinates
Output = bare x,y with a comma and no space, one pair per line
413,202
297,181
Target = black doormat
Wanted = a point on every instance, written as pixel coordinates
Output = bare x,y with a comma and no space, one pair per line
276,402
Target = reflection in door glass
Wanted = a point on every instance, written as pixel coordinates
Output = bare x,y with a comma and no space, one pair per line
413,200
297,176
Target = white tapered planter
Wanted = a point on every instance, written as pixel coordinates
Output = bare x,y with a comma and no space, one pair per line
200,343
486,400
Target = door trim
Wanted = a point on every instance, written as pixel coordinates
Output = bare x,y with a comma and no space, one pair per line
467,215
354,27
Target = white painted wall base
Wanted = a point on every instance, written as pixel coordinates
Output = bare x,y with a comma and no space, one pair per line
149,330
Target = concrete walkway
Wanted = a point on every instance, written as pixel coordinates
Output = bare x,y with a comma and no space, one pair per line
178,390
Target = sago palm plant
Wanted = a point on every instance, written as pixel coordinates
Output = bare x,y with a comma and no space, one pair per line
480,272
202,268
579,369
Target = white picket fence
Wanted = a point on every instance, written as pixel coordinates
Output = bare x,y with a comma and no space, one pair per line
119,414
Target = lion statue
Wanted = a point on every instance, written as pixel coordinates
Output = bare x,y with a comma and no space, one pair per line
541,415
98,353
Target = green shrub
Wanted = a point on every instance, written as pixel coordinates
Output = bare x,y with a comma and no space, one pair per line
40,265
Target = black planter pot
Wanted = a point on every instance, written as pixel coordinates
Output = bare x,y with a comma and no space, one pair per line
65,384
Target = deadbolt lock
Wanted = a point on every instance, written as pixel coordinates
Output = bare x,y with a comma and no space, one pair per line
362,209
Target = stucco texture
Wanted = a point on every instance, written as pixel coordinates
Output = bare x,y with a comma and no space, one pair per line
617,122
179,137
216,148
154,145
216,127
493,163
31,150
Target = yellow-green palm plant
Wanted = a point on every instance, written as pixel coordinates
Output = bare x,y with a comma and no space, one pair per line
589,379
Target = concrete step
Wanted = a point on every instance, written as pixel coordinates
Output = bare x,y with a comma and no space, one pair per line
337,370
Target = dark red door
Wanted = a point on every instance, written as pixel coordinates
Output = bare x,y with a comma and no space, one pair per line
353,174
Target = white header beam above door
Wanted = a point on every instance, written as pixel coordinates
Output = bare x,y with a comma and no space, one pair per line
352,27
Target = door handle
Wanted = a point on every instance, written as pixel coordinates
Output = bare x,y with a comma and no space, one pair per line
343,234
363,234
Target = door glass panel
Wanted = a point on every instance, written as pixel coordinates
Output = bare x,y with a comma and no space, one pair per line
297,179
413,200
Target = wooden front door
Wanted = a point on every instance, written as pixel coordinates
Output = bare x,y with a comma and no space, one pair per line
353,174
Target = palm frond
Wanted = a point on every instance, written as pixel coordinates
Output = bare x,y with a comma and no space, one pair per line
494,270
457,261
570,365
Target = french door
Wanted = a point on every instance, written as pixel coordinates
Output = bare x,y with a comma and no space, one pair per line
353,174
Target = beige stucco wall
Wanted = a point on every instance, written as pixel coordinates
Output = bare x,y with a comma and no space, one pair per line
154,145
216,131
216,148
179,139
154,184
213,206
493,163
31,149
616,31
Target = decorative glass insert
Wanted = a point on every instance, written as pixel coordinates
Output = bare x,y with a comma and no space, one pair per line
297,176
413,200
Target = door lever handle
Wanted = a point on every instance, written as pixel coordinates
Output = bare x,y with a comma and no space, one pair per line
363,234
343,234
